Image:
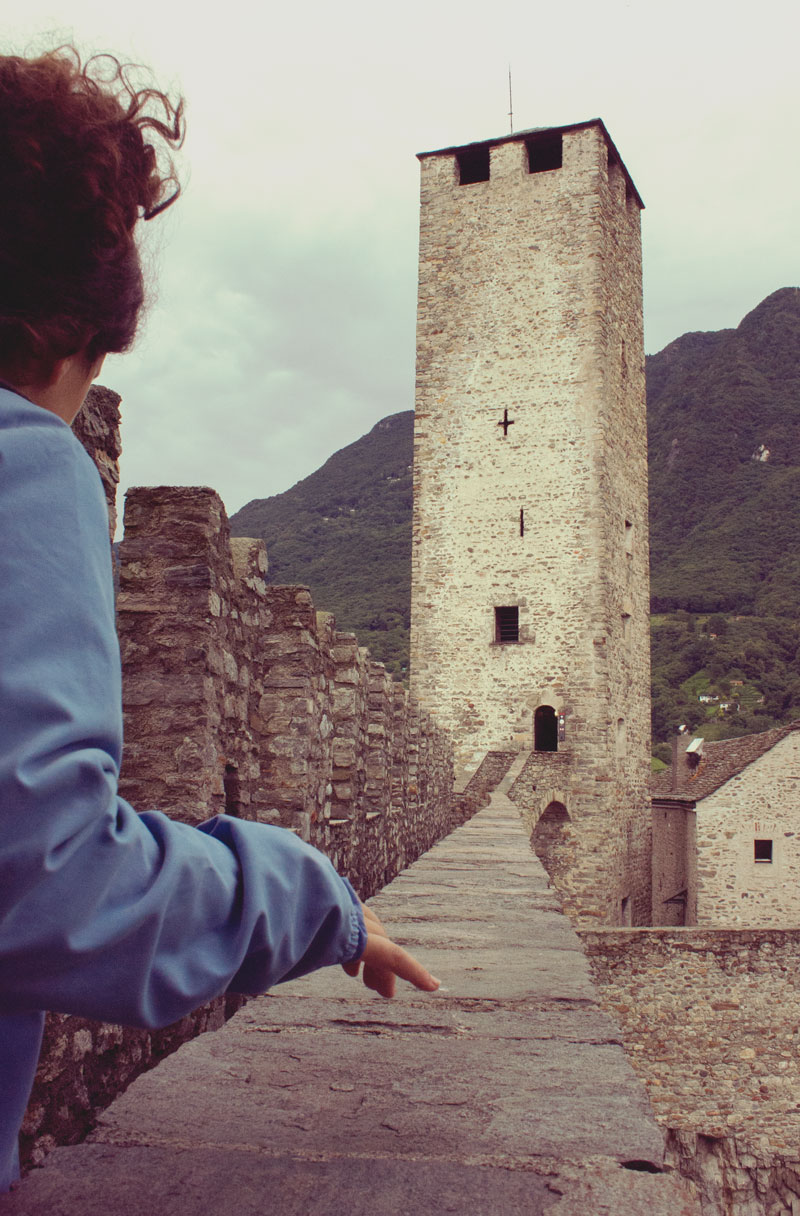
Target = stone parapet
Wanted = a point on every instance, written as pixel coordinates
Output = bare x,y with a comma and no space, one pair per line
486,778
240,698
711,1022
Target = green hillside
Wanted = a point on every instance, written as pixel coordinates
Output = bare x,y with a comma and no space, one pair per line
345,532
724,520
746,668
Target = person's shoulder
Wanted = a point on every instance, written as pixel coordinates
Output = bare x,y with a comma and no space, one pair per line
34,439
48,481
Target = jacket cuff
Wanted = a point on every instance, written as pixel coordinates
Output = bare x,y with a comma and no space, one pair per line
357,941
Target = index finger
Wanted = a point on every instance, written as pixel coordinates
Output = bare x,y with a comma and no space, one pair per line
382,954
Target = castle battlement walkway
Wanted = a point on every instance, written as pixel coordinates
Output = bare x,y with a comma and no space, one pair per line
505,1093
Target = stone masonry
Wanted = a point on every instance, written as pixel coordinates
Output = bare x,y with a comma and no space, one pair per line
710,1019
241,699
97,427
238,698
530,553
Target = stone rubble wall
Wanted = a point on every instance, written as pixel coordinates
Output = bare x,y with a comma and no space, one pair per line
240,698
97,427
486,778
85,1065
711,1022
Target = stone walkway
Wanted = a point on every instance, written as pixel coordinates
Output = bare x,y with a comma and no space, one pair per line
506,1092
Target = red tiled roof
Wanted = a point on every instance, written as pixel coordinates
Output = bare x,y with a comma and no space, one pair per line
720,761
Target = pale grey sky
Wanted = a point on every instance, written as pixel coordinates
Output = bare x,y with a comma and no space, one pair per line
283,327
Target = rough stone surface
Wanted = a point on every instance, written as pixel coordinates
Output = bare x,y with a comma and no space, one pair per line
530,493
710,1019
473,791
506,1092
97,427
241,698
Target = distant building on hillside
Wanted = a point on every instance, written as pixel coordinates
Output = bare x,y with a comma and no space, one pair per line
530,594
726,832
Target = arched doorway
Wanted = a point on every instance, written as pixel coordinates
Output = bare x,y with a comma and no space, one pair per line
545,729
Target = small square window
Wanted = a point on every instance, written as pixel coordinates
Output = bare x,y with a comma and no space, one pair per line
473,164
506,625
545,152
762,850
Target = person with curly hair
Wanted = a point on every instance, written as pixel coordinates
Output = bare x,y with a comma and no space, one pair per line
113,915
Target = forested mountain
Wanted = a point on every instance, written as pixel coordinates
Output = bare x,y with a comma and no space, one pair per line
345,532
724,433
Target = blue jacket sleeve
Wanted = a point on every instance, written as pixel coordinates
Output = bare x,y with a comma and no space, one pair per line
103,912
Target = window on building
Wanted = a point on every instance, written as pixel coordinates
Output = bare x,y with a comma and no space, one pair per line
628,537
473,164
506,624
545,152
545,729
762,850
622,737
626,628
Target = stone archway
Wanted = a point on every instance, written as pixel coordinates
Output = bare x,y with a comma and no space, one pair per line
554,841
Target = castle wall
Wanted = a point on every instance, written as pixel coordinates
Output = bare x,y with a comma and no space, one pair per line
762,803
238,698
530,489
711,1022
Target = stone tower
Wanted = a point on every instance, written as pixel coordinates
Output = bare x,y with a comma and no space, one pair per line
530,599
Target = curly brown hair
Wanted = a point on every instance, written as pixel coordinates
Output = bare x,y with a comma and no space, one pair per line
80,146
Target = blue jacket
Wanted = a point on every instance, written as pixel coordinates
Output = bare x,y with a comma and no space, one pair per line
106,913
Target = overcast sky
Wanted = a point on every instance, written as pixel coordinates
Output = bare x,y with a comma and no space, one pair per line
283,326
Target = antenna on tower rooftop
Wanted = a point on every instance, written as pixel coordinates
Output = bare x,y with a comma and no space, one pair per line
510,104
